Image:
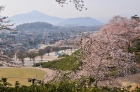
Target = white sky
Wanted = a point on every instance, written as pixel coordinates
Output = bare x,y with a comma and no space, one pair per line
99,9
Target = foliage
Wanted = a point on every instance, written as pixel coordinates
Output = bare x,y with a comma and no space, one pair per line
32,55
136,49
63,55
1,65
4,85
41,53
67,63
62,86
56,49
21,55
48,49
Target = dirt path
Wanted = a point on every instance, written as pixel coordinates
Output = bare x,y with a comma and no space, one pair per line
50,74
133,80
130,80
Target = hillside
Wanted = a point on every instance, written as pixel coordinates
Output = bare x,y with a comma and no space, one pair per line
65,62
35,26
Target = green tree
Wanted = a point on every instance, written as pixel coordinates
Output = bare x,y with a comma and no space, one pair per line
48,49
21,55
4,85
56,49
17,86
41,52
32,55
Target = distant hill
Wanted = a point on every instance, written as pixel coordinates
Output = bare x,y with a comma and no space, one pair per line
81,21
36,16
44,26
34,26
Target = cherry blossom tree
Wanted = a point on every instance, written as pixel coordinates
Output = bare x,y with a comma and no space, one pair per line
126,29
104,53
59,43
4,23
79,4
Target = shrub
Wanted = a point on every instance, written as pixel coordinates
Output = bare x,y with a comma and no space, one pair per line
1,65
63,55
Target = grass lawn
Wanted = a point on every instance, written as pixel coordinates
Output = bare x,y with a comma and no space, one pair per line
21,74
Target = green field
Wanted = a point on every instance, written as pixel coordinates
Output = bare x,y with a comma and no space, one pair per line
21,74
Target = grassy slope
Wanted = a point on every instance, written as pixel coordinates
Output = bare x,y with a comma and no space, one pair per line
21,74
66,63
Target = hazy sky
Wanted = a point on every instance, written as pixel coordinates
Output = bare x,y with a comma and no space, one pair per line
99,9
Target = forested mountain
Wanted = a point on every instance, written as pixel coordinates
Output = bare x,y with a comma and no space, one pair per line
35,26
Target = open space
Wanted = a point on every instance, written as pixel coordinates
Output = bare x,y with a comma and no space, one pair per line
21,74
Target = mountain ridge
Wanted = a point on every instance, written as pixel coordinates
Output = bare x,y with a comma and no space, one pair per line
80,21
34,16
37,16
